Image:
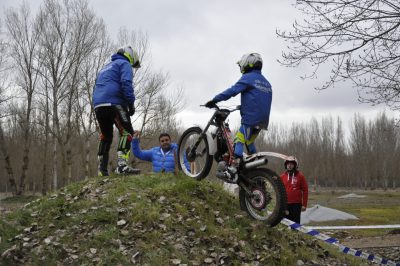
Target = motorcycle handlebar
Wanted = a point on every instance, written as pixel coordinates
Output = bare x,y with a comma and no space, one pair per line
216,107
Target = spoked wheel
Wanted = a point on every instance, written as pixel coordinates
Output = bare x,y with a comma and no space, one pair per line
267,198
194,162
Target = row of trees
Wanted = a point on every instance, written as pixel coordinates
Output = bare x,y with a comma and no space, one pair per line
366,157
48,65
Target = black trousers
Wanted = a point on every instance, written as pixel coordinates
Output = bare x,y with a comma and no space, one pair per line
108,116
294,212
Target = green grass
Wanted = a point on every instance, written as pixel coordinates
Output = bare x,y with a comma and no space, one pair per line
377,208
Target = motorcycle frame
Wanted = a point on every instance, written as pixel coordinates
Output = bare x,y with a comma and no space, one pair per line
250,161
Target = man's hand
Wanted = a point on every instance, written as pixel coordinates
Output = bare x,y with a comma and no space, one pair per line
136,134
131,109
303,208
210,104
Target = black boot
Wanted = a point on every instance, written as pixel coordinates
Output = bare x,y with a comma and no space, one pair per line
103,162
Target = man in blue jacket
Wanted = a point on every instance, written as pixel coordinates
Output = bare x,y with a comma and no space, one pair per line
256,98
113,101
162,157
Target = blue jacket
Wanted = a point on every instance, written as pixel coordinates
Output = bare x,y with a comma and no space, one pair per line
114,83
256,98
161,160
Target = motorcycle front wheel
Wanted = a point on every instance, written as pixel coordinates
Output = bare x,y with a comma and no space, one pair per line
194,163
267,200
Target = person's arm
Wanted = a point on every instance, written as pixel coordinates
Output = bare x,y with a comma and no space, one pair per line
304,189
239,86
142,155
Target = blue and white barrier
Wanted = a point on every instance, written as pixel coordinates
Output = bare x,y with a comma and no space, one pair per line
335,242
347,227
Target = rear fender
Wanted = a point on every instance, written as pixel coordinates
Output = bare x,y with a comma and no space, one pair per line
264,154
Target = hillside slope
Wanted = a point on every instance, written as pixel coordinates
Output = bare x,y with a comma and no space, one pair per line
151,220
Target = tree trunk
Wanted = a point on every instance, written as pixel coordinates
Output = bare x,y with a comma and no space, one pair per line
46,144
55,176
25,160
7,163
87,159
68,155
44,175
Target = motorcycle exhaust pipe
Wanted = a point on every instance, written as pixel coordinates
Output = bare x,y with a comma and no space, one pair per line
256,163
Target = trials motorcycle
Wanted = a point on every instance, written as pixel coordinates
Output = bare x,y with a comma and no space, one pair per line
261,192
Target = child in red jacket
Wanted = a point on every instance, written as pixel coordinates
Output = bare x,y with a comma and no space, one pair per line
296,189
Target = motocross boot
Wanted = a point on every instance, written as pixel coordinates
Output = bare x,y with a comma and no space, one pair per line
102,168
123,167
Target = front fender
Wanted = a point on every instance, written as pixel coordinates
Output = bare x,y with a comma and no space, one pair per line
212,143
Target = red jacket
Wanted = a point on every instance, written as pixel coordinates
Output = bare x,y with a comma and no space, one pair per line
296,187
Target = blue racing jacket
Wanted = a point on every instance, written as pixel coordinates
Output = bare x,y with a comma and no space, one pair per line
161,160
256,98
114,83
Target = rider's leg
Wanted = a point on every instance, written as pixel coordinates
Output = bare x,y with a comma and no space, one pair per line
124,125
240,140
105,117
245,136
254,131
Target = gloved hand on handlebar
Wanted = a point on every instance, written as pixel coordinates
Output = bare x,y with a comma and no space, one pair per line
131,109
210,104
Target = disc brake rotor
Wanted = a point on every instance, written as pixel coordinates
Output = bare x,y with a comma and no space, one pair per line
258,198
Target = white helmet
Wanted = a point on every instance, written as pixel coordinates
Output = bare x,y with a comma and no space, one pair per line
249,62
291,159
132,56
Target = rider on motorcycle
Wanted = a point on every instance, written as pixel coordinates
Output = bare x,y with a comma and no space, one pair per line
256,98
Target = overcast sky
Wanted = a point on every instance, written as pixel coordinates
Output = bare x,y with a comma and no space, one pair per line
199,42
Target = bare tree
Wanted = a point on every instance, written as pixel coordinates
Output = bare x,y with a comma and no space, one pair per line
23,44
147,99
383,142
87,31
340,156
4,98
360,150
357,39
4,67
70,31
